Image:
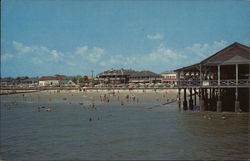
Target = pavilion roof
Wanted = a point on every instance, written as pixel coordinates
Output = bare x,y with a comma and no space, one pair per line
235,53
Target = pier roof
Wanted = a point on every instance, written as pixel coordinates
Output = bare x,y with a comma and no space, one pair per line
235,53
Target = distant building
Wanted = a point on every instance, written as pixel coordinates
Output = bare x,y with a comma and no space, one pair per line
125,76
31,82
66,83
144,77
5,82
120,76
169,77
60,77
48,81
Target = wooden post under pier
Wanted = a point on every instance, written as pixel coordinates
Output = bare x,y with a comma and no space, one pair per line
179,99
218,109
201,100
191,103
195,96
185,100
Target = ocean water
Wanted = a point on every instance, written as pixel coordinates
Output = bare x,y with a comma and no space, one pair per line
143,130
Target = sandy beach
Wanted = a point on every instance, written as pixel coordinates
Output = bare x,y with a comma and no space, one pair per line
118,96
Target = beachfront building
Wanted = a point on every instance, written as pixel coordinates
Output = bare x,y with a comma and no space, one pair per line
7,82
169,78
221,82
114,76
126,76
67,83
49,81
144,77
31,82
60,77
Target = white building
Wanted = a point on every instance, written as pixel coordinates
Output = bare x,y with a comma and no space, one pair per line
169,77
48,81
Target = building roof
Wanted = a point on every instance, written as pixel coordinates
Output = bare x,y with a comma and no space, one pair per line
169,72
60,76
44,78
144,74
128,72
235,53
116,72
33,79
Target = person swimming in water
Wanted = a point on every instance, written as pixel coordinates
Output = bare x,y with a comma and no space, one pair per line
48,109
223,117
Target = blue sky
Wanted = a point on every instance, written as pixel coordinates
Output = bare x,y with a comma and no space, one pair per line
47,37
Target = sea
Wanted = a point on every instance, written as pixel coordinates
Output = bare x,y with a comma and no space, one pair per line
82,127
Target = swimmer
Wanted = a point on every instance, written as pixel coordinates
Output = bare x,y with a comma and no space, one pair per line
90,119
48,109
223,117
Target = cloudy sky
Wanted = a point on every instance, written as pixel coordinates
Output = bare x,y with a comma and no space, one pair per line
47,37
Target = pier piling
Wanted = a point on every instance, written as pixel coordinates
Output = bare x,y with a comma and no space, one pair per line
185,100
191,104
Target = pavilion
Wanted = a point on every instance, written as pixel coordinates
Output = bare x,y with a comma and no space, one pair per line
221,81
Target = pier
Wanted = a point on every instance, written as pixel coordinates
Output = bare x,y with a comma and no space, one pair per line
221,81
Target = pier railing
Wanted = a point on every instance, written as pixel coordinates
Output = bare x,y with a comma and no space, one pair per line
214,83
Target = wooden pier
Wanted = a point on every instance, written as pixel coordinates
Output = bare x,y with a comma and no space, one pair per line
221,82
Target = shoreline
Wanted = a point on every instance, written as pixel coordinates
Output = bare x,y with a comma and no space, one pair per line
9,91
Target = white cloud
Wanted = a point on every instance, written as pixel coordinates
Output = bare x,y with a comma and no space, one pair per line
163,57
43,49
6,56
162,52
70,63
81,50
155,37
36,60
56,55
95,54
21,48
36,52
204,50
85,58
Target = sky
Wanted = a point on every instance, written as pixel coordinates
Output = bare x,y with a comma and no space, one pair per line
74,37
